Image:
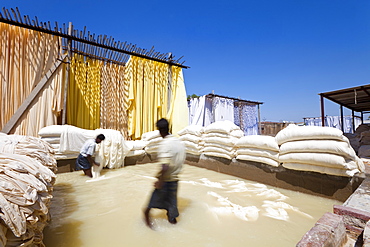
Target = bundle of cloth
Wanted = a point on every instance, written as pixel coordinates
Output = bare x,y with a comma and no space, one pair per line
318,149
51,134
136,148
152,138
258,148
219,139
26,187
110,153
30,146
192,137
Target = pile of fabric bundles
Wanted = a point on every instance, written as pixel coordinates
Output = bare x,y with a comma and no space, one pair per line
26,178
152,138
318,149
258,148
192,138
220,138
51,134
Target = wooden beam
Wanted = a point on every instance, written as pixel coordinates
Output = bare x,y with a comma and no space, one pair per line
31,97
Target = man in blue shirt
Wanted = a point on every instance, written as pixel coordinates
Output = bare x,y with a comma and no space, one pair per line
84,160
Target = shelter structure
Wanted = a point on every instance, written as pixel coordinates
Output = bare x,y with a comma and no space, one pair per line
51,75
210,108
357,99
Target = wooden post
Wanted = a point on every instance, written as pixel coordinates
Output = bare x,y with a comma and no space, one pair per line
322,111
66,83
259,120
341,118
31,97
353,121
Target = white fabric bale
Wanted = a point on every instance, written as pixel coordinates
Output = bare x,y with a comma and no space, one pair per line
320,169
319,146
112,151
319,159
258,141
73,138
196,130
295,133
224,141
221,127
147,136
52,130
264,160
190,138
258,153
364,151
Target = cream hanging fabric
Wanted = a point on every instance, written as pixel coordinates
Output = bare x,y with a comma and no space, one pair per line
83,103
25,57
147,95
114,98
178,116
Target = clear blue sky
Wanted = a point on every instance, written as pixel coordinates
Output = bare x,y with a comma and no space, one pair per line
279,52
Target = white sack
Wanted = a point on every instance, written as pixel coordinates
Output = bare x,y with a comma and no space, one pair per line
296,133
258,141
192,130
258,153
321,169
217,154
264,160
190,138
318,159
223,141
221,127
73,138
221,146
147,136
218,150
319,146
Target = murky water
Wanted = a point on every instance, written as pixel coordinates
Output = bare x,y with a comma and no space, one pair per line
215,210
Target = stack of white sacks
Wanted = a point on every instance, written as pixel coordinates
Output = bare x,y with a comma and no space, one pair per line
319,149
364,146
136,148
26,185
192,137
152,138
258,148
220,138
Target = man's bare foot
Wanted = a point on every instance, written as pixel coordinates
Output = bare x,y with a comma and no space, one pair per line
147,219
172,221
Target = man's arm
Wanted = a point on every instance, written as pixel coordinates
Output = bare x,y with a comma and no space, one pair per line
91,160
158,184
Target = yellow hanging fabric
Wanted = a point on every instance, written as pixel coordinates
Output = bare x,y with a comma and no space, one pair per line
147,95
83,101
178,116
114,98
25,57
